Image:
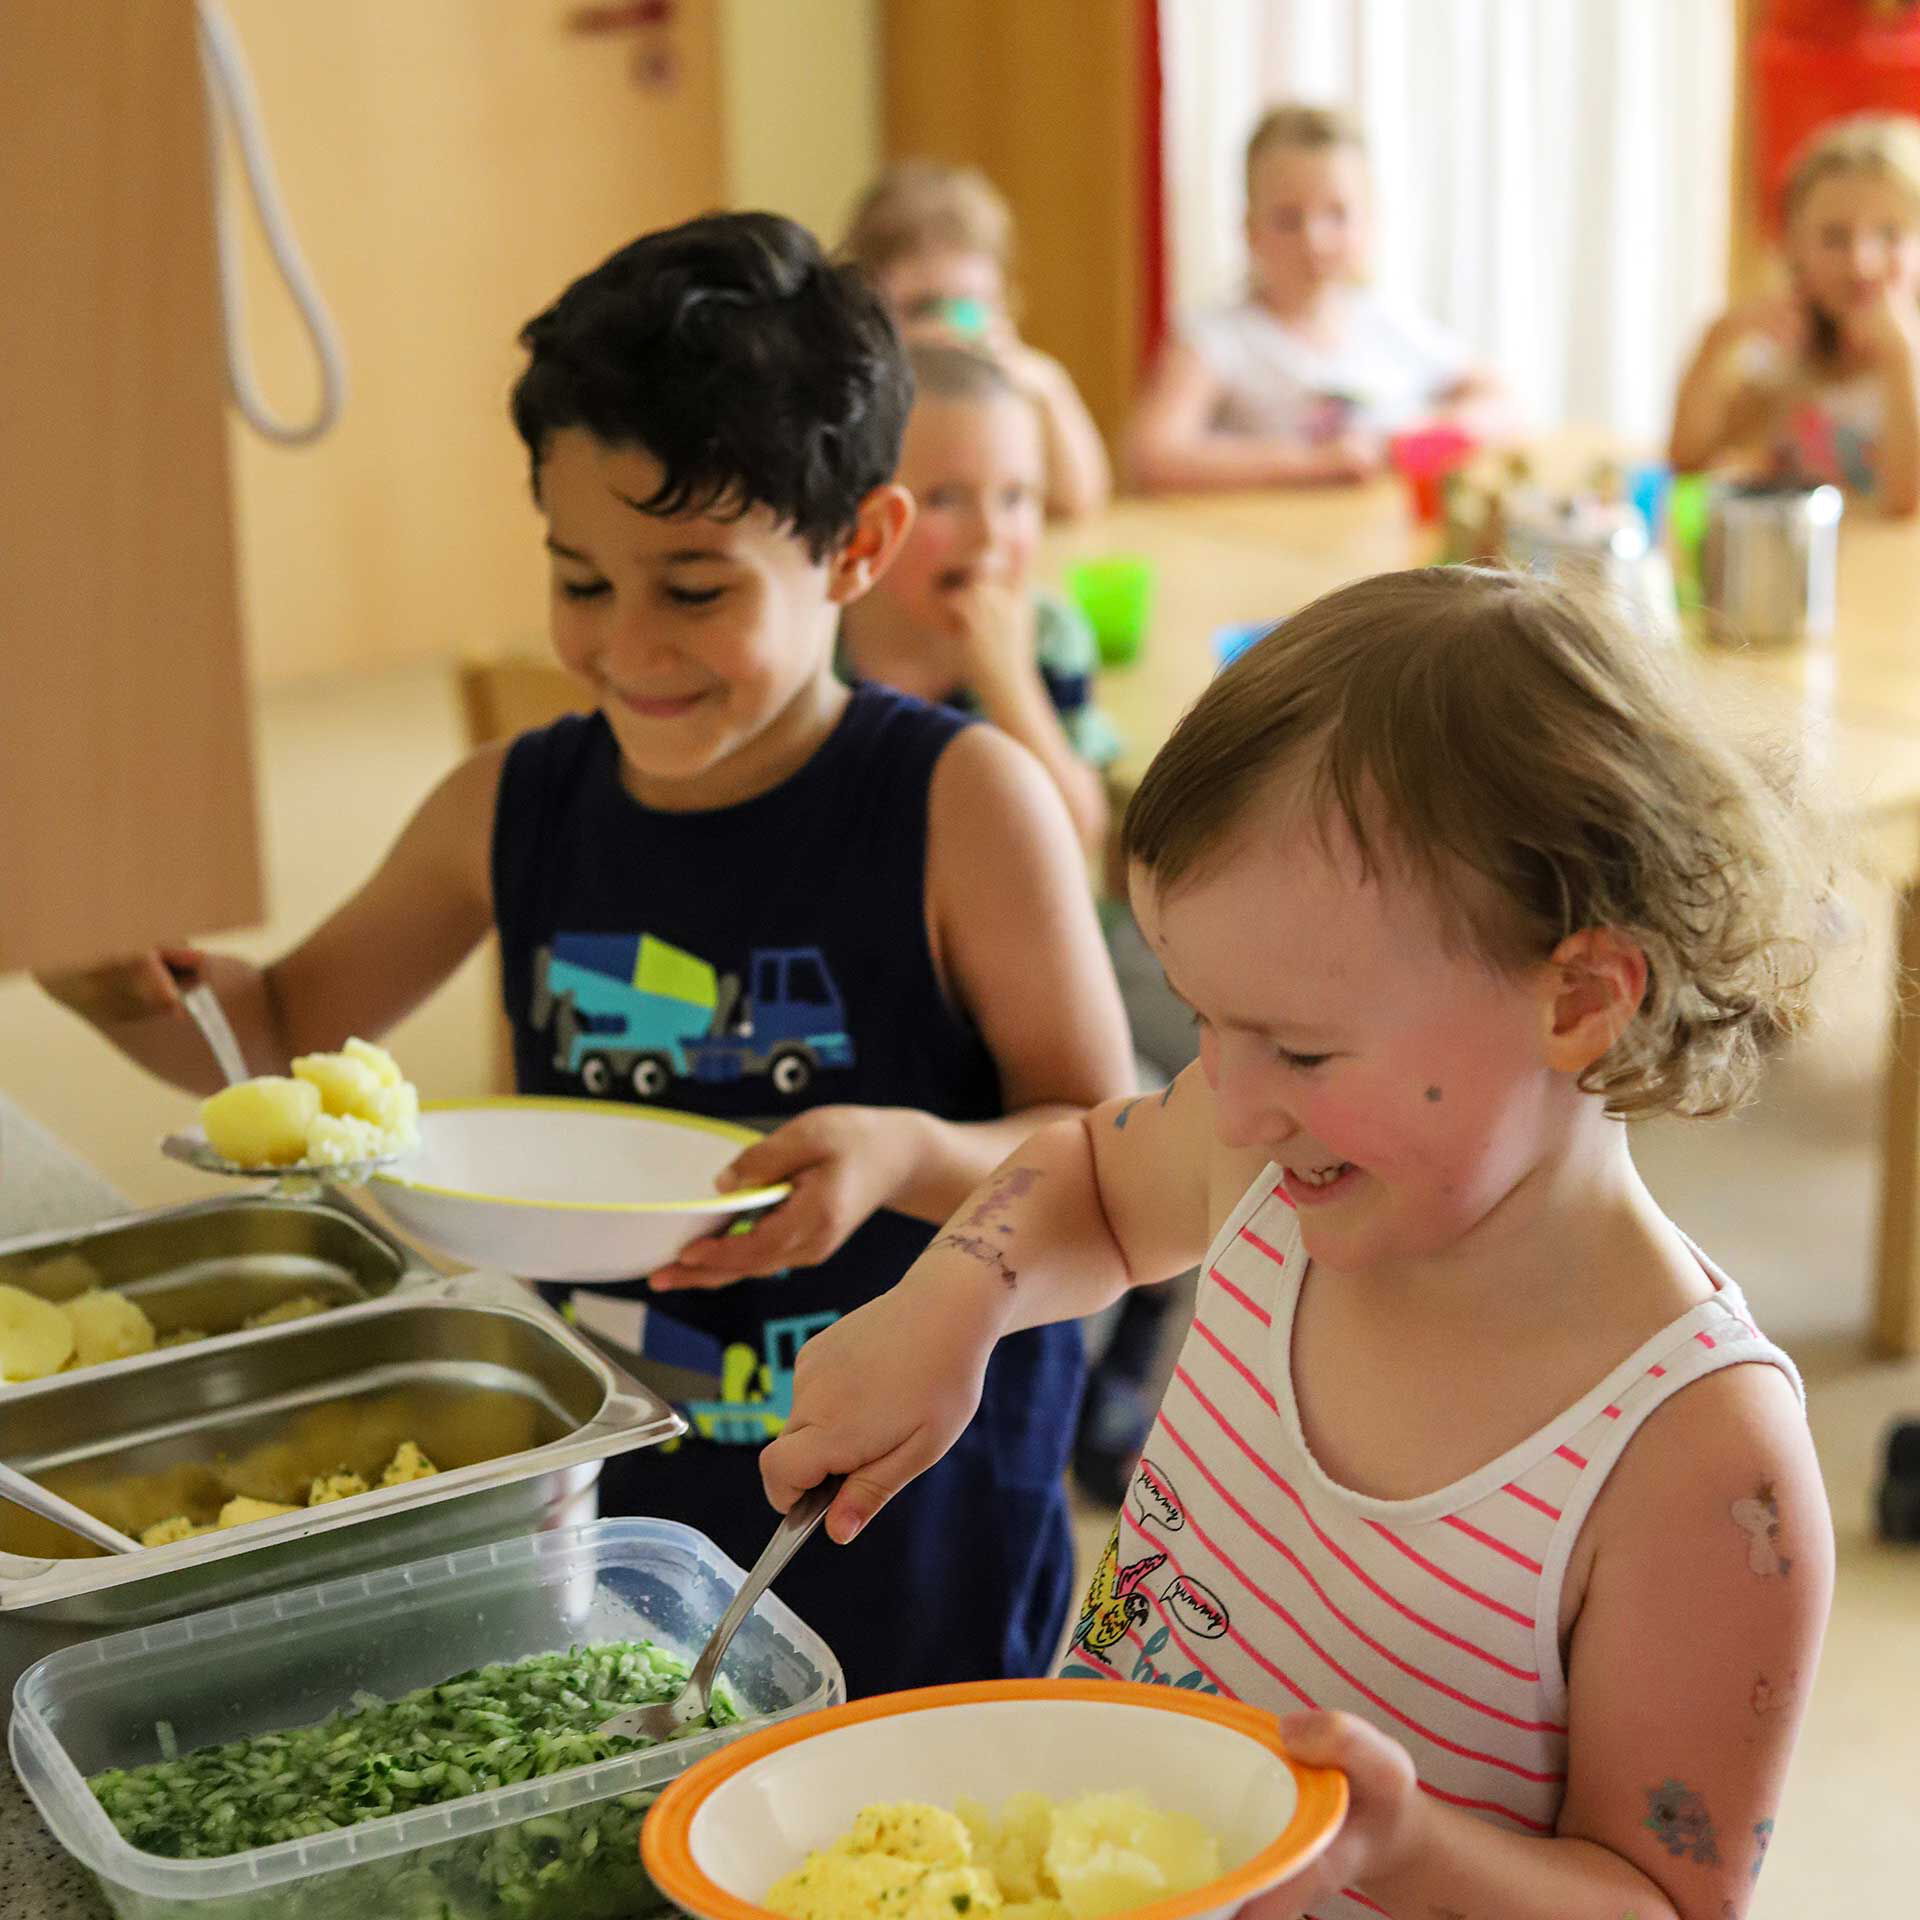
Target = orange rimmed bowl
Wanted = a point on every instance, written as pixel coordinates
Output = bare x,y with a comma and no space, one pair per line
726,1830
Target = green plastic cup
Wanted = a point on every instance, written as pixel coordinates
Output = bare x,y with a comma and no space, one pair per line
1115,592
1689,504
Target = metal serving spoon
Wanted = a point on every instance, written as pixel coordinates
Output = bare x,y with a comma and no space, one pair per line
49,1506
210,1017
694,1701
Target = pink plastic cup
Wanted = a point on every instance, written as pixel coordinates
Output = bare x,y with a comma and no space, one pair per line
1423,459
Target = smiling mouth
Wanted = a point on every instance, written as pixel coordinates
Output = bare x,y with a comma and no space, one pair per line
656,706
1320,1176
1319,1186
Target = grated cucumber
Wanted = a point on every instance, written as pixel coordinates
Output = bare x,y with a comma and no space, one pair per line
490,1727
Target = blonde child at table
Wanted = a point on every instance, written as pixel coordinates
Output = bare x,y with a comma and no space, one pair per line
1474,1466
1302,380
957,618
1822,383
937,241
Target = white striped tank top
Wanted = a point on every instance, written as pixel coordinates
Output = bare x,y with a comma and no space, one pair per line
1238,1567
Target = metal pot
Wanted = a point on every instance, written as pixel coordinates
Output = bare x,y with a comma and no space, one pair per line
1769,564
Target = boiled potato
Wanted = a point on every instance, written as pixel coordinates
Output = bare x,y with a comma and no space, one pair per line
340,1139
36,1338
163,1533
261,1122
348,1088
377,1060
107,1326
243,1508
408,1463
329,1487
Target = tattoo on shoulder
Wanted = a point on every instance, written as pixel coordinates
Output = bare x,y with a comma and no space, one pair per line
1168,1093
1125,1114
1758,1517
1677,1817
973,1234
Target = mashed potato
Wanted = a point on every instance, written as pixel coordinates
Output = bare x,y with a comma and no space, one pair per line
336,1108
1080,1859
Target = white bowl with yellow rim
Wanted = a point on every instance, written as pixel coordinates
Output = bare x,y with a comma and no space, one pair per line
567,1190
728,1829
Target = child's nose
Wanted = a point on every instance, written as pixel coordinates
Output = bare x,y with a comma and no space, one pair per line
1246,1111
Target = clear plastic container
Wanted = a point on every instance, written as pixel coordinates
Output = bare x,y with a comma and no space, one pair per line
291,1659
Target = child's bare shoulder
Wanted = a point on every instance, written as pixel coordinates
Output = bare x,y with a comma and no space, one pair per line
1726,1460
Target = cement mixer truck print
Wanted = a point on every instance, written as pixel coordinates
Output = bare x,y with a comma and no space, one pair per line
629,1015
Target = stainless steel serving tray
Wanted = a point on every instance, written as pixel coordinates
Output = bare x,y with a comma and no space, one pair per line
492,1385
217,1263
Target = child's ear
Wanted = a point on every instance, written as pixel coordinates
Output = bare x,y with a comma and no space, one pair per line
879,529
1592,988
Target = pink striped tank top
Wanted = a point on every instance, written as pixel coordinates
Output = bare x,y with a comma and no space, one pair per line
1238,1567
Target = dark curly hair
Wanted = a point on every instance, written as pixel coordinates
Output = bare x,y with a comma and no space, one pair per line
1460,722
731,351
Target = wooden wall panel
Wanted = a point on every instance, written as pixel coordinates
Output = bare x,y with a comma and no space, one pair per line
126,786
1044,95
448,165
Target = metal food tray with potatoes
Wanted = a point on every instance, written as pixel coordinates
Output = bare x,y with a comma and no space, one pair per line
512,1406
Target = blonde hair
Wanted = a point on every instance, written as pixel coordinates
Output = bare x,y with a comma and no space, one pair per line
1312,129
1885,145
916,206
1460,721
944,372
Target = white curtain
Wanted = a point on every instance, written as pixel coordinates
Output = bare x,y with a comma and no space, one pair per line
1550,176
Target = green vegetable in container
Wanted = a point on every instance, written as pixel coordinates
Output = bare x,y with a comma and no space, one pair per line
488,1728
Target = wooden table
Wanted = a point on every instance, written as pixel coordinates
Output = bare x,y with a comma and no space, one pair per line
1853,707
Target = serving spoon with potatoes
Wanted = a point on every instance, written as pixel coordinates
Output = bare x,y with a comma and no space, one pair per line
274,1114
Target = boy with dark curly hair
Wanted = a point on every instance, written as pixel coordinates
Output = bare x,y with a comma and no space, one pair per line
882,903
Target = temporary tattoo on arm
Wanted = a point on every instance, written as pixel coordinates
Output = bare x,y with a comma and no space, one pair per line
1758,1517
1125,1114
1762,1836
973,1235
1168,1093
1677,1817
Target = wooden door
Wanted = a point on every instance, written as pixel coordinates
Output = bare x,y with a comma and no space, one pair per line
126,785
1045,96
448,166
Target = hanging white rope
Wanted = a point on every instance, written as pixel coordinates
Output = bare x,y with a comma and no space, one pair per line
231,102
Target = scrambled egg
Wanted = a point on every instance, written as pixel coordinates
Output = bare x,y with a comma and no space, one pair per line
1080,1859
408,1463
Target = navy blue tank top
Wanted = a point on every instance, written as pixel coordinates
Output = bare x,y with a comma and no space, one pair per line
748,963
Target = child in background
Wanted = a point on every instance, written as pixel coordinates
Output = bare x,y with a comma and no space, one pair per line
938,243
1822,383
956,618
1302,381
713,418
1474,1466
